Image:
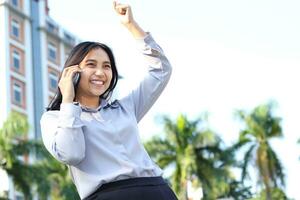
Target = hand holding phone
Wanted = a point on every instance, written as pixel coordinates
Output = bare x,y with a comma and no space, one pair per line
68,87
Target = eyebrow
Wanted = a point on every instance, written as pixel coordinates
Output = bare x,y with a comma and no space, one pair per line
90,60
95,61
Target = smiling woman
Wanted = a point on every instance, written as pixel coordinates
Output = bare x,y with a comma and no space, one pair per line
99,138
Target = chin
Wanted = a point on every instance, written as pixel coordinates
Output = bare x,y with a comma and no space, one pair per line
97,93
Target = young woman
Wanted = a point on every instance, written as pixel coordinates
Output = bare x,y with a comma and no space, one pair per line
98,138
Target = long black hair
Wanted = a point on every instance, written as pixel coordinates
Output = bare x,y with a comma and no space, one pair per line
76,55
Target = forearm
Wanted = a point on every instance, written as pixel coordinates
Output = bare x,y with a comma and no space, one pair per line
136,31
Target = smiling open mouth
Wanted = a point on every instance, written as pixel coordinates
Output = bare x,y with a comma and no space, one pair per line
97,82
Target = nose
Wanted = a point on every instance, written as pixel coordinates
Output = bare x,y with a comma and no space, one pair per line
99,72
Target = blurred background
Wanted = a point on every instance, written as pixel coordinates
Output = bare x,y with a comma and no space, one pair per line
226,126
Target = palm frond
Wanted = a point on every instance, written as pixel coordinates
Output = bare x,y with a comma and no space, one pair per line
276,168
247,159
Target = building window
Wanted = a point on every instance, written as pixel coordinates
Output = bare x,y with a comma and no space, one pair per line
51,27
15,28
53,81
16,60
15,3
69,39
17,94
52,51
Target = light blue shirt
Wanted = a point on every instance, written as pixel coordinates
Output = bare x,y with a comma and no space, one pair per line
103,145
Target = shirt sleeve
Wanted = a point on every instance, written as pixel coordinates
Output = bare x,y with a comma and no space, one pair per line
159,72
62,134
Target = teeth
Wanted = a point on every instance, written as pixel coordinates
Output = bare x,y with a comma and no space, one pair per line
98,82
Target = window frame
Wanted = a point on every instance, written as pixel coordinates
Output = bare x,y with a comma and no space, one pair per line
16,24
17,87
52,47
53,76
16,56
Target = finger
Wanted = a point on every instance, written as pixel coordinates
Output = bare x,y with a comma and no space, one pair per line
122,8
115,4
73,66
71,72
64,72
72,75
70,69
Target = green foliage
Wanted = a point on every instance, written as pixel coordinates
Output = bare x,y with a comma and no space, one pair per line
237,191
193,150
176,148
276,194
260,125
40,174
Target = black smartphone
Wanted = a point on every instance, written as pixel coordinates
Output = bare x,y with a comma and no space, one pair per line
76,80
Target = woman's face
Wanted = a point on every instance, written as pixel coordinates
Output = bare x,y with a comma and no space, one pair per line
96,73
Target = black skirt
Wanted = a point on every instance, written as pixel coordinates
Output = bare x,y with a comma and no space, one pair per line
143,188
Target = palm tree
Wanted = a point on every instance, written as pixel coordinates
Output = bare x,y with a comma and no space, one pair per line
192,150
176,150
44,175
59,180
260,126
53,178
12,136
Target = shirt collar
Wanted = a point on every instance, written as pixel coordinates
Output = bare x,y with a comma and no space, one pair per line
104,104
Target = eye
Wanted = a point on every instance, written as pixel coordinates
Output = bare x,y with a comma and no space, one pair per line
91,64
107,66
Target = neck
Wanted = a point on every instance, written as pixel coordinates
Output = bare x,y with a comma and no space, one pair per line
90,102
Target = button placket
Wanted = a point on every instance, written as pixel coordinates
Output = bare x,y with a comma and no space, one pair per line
120,148
97,116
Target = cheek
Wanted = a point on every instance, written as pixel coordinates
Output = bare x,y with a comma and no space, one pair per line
110,75
84,79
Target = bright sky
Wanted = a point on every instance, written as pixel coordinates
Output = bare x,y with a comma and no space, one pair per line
226,55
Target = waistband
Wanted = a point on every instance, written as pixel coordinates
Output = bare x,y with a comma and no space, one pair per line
132,182
126,183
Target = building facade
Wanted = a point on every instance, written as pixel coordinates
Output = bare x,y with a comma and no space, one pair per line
33,49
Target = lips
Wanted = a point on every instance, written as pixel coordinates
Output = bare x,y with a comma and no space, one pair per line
97,82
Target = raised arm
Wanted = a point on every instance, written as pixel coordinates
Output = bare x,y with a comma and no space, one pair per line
159,69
